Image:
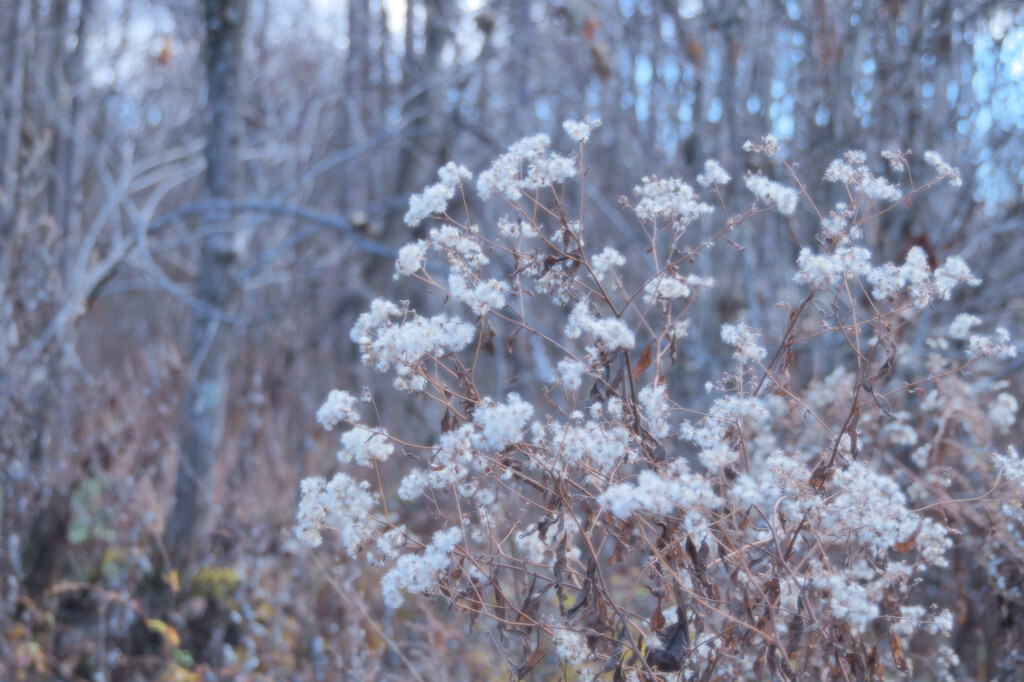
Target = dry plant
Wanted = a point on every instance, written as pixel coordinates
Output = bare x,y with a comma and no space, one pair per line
798,527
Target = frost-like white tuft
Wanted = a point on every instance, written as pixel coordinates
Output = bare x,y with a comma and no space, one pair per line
772,193
340,406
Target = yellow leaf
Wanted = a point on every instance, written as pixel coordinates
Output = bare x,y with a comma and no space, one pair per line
166,631
172,579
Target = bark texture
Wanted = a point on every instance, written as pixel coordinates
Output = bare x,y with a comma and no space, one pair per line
204,406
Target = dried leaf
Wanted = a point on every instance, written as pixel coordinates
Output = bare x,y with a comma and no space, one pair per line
559,565
773,663
584,596
821,475
530,663
874,664
793,538
500,602
883,405
691,549
857,666
558,570
449,422
796,630
897,652
657,618
531,604
643,363
880,400
904,547
487,334
890,360
695,49
594,611
784,664
772,591
617,655
669,657
511,340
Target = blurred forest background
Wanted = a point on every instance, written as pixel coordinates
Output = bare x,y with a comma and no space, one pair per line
198,198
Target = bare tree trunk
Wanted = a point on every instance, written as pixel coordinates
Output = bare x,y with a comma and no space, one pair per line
417,157
69,79
204,407
12,135
68,212
524,41
357,81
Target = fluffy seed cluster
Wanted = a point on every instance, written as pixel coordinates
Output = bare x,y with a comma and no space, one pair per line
608,334
962,325
534,481
525,167
1012,467
897,160
944,170
434,199
727,414
670,199
481,297
452,462
570,646
579,131
746,341
344,505
853,172
871,508
592,444
406,345
713,174
461,247
769,146
823,270
570,373
419,572
411,258
997,345
654,402
772,193
365,446
603,262
666,287
340,406
849,602
503,423
680,492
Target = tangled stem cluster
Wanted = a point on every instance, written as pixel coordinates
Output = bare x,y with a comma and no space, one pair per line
788,530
